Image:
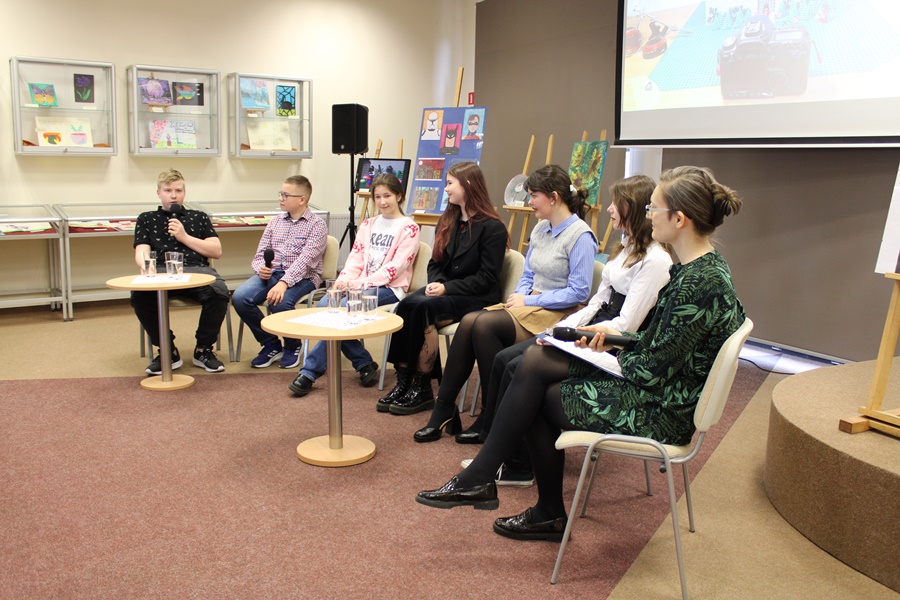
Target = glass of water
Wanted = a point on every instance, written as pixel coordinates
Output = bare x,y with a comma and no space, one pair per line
333,295
354,306
174,264
370,303
150,264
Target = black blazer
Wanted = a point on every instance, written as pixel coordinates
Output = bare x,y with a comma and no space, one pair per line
472,267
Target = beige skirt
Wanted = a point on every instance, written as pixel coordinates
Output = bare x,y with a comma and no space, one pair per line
534,318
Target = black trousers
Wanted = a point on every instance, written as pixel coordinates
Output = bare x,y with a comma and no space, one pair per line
418,312
212,312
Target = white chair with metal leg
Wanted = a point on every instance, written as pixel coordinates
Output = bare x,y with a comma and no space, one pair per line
706,414
418,280
510,274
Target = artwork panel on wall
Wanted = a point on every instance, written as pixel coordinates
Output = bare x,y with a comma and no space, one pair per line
63,131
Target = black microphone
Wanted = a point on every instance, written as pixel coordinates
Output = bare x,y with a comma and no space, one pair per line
176,210
570,334
268,256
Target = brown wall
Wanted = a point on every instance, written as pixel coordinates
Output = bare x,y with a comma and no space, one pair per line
802,251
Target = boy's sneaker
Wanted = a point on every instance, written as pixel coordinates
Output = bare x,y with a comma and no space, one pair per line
290,359
205,358
271,352
155,366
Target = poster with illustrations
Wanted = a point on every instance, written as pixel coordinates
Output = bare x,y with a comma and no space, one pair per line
187,93
84,87
269,135
154,91
43,94
586,167
254,93
448,135
285,100
63,131
166,133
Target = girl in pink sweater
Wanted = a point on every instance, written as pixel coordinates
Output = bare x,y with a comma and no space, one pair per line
382,257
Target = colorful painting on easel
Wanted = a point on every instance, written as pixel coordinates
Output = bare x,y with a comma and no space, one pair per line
187,93
285,100
431,125
43,94
71,132
84,87
173,134
586,167
473,121
254,93
449,135
154,91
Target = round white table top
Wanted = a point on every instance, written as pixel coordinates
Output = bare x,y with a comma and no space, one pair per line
279,324
160,282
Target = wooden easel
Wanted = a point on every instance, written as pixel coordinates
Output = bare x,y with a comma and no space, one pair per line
871,415
595,210
526,211
366,196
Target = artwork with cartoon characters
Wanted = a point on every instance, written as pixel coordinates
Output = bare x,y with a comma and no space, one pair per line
448,136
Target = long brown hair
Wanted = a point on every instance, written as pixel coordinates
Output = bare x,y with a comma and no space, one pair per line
631,196
390,181
478,206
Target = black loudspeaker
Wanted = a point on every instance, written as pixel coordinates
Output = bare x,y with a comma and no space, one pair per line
349,129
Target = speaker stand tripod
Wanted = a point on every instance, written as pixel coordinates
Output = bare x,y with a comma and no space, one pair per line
351,224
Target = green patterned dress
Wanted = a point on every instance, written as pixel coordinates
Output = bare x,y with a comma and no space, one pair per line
665,373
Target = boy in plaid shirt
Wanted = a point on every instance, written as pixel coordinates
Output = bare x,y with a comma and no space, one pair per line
298,238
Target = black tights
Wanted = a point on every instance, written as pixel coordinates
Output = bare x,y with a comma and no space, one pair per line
479,337
531,408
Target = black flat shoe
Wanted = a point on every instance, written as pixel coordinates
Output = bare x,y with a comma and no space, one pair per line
521,527
450,495
469,437
433,434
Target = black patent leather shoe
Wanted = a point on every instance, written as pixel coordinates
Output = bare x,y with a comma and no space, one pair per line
433,434
522,527
469,437
451,495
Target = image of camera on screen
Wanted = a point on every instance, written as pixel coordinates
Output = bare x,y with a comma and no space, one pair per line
762,61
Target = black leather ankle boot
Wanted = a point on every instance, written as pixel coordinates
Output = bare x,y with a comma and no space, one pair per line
403,379
417,398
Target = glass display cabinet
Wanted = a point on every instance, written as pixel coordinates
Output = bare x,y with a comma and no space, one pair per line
32,222
63,107
269,116
173,111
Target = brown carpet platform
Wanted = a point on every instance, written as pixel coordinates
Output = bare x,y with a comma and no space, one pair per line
841,491
112,491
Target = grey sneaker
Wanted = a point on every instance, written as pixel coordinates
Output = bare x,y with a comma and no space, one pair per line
205,358
155,366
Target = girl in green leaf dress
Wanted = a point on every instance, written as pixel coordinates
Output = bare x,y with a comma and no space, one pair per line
663,369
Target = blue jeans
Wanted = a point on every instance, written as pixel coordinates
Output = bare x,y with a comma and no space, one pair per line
252,293
317,359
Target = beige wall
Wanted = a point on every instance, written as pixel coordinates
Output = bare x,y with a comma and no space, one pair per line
394,56
802,251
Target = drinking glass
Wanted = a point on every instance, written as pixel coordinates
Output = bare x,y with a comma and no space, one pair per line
354,307
334,296
370,304
174,263
150,264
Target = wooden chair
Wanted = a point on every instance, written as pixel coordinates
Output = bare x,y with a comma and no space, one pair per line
706,414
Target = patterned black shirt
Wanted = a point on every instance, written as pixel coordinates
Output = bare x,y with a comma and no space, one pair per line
152,229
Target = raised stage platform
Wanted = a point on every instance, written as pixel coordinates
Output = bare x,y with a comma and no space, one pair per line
841,491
